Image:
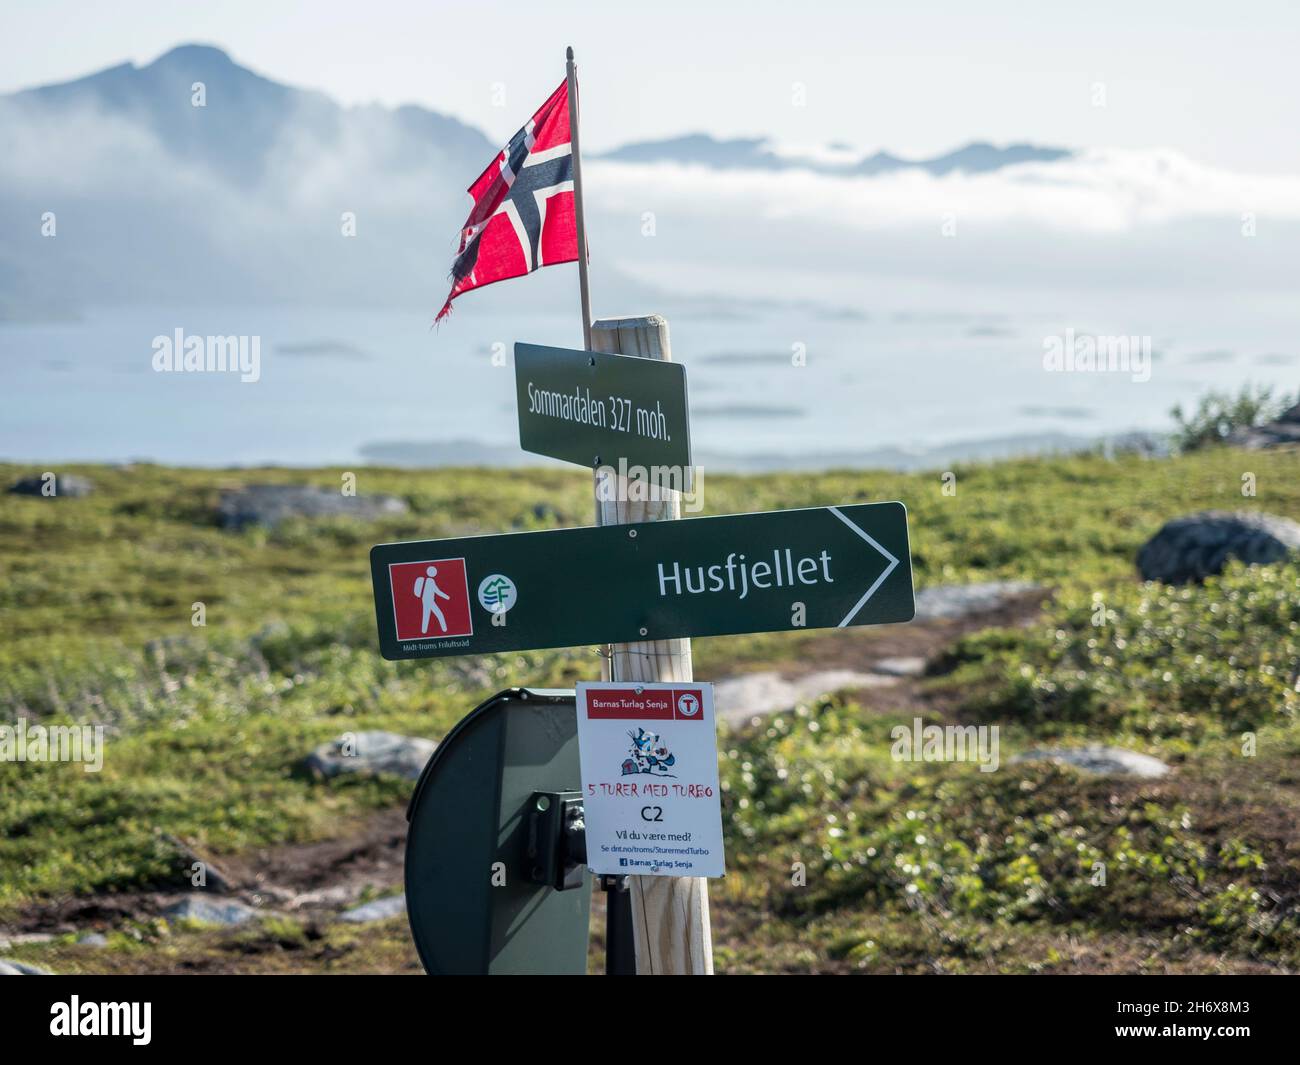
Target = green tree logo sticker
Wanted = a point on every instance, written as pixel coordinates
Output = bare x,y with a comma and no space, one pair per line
497,593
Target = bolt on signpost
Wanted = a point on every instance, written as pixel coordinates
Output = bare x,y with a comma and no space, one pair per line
639,581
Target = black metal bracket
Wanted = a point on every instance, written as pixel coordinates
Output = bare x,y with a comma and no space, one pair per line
557,857
620,947
557,840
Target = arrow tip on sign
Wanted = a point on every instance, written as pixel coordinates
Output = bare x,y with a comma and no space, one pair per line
891,558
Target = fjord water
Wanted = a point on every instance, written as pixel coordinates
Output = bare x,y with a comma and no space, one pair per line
342,386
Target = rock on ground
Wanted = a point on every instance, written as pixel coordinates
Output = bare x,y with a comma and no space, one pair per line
1285,430
371,752
9,967
736,698
1104,761
960,600
65,486
378,910
1197,546
268,505
210,911
333,897
23,939
899,667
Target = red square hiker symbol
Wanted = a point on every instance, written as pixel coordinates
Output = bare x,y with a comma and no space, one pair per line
430,599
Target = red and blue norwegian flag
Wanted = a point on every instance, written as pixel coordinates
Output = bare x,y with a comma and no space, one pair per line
523,216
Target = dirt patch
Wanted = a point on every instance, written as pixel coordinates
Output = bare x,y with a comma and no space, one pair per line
857,650
307,878
371,856
313,882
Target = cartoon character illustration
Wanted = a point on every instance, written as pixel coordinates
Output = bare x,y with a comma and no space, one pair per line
648,755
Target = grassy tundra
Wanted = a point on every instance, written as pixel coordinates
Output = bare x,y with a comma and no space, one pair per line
839,857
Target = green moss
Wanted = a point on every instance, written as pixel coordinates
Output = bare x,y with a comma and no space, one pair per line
1187,663
904,866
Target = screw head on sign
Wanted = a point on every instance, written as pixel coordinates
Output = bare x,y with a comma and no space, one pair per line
640,689
644,631
631,534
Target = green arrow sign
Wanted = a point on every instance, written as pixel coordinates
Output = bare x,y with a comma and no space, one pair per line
767,572
596,409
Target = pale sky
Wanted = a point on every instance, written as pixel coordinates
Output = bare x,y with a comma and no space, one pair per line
1219,83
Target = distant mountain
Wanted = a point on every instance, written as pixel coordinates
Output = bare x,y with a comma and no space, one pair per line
239,200
979,157
246,117
759,154
701,149
116,189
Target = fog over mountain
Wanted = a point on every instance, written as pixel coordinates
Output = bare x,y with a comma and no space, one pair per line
760,154
241,201
238,200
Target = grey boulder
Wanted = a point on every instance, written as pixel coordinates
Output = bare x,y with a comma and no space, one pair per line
1101,761
60,486
1284,430
1191,548
268,505
371,752
907,666
962,600
9,967
210,911
767,692
378,910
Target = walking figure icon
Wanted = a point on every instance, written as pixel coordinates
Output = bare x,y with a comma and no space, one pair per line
431,599
426,588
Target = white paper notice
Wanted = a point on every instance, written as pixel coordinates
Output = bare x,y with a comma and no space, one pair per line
650,778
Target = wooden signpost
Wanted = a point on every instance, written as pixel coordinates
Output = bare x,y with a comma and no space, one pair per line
670,915
637,586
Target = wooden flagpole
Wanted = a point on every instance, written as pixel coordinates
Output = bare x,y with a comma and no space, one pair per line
670,915
583,287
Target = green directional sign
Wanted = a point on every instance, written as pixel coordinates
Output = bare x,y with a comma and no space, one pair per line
769,572
597,409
